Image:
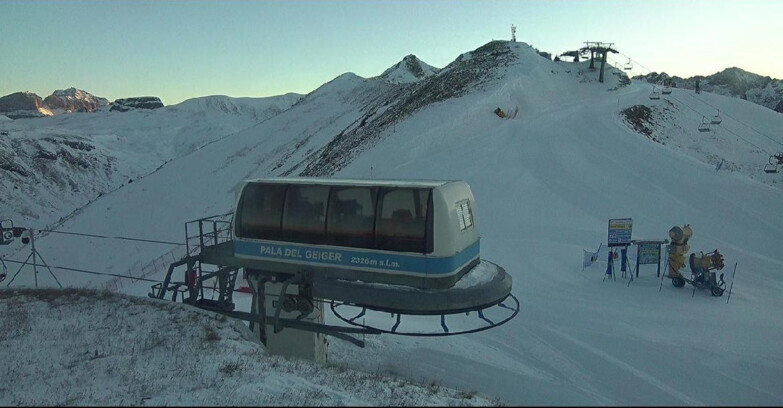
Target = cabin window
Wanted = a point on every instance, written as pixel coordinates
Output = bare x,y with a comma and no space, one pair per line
261,208
351,217
402,219
464,215
304,216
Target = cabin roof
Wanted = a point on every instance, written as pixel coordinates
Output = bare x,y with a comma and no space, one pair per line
353,181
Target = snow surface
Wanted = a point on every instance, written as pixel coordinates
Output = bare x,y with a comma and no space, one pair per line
81,347
128,146
546,184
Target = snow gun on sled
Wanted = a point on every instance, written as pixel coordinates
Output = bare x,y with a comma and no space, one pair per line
702,266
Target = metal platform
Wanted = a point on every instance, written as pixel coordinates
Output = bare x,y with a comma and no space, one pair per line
479,286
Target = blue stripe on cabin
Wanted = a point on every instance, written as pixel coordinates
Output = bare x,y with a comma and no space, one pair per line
356,259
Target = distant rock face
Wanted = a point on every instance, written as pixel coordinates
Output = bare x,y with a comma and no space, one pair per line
410,69
74,100
140,102
23,105
736,82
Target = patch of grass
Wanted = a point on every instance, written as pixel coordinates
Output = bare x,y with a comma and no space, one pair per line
231,367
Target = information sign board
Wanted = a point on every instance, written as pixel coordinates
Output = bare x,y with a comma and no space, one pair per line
649,253
620,232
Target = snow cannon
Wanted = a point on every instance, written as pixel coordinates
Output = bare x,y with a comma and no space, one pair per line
678,248
706,262
702,276
701,265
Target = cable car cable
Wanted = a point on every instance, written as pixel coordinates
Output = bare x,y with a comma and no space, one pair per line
84,271
712,106
737,120
108,237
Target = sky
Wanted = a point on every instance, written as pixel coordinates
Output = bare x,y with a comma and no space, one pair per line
183,49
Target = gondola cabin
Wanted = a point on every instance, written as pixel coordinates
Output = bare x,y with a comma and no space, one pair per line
423,234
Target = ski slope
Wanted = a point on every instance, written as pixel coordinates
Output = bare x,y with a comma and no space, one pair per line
546,184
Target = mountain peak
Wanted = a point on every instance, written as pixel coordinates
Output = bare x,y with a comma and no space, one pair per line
409,70
74,100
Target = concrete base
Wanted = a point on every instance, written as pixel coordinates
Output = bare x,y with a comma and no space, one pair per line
289,342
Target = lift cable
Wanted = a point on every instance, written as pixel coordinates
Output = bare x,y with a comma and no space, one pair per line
108,237
737,120
722,127
83,271
703,115
709,104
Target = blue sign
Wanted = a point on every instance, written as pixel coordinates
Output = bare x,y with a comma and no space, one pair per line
620,231
354,259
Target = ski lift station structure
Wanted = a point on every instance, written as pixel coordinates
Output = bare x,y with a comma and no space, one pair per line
389,247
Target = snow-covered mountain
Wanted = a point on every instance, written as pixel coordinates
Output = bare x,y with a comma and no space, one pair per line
577,154
734,81
73,100
54,166
410,69
29,105
23,105
138,102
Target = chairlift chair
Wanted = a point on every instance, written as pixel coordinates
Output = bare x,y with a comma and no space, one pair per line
775,161
666,90
655,94
716,120
705,125
628,66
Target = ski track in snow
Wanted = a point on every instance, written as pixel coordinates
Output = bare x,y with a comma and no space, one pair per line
679,396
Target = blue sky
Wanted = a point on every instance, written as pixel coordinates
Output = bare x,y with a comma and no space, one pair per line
182,49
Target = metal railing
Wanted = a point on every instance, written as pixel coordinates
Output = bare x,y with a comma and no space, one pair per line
208,231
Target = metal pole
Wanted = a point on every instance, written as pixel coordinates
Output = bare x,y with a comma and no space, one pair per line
200,235
732,282
638,249
50,270
32,243
19,270
667,270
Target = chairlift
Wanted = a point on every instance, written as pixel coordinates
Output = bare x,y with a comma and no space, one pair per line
716,120
705,125
655,94
775,161
628,66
